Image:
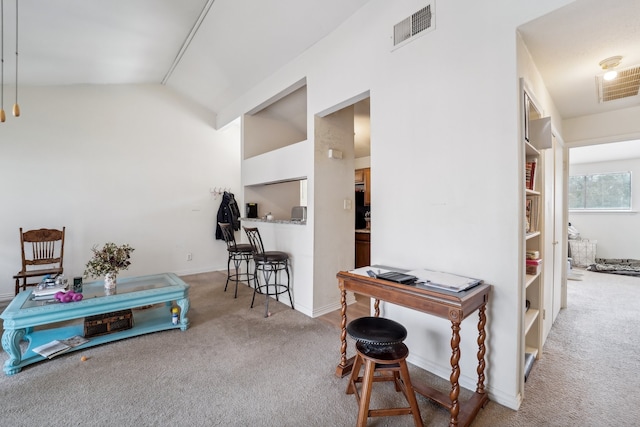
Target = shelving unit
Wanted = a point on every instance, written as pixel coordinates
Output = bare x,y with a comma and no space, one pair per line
534,140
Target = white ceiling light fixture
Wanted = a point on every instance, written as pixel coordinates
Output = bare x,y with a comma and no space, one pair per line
608,66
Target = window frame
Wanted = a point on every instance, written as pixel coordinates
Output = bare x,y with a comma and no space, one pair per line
585,177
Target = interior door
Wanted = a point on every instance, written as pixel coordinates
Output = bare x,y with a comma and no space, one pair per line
555,248
559,228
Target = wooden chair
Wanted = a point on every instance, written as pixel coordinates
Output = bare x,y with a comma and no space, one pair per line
42,254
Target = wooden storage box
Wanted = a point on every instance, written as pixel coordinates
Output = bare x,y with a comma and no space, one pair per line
107,323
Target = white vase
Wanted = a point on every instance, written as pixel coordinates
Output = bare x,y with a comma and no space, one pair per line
110,283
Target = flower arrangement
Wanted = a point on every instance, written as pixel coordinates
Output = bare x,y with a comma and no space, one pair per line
110,259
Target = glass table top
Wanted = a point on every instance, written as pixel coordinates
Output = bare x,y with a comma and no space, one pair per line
124,285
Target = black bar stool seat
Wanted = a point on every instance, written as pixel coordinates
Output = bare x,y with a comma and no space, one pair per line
271,256
376,330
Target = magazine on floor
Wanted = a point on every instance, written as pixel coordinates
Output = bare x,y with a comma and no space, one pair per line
57,347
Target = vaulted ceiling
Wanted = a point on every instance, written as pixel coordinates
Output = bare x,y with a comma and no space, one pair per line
211,51
214,51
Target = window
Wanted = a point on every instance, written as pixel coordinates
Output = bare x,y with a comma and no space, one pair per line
600,191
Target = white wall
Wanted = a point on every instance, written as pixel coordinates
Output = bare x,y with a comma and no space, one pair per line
334,225
618,233
612,126
444,147
129,164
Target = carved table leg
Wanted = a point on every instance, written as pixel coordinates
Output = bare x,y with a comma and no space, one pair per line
343,368
481,348
455,368
11,344
376,306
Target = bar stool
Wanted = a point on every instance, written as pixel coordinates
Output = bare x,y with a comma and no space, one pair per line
270,263
380,348
238,253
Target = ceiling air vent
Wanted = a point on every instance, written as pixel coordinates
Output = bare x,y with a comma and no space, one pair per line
414,26
624,85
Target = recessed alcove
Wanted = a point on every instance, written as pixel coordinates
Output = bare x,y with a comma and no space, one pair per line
279,122
277,198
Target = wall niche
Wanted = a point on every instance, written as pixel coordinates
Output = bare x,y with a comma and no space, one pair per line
279,122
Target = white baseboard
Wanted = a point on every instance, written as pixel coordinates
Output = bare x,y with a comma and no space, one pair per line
351,299
467,382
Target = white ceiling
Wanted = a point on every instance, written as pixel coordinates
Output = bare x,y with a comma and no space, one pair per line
238,43
567,45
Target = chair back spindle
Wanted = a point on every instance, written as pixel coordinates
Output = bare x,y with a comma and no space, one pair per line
253,234
228,235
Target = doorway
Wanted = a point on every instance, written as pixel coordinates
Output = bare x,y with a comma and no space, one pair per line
615,229
362,180
333,190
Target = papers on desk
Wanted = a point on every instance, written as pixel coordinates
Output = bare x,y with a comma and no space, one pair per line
364,271
428,278
445,281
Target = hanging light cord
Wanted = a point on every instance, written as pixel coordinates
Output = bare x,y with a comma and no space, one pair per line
16,107
2,116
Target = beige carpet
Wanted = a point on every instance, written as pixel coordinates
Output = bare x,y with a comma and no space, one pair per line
233,367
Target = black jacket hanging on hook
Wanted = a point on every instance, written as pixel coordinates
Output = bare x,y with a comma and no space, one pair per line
228,213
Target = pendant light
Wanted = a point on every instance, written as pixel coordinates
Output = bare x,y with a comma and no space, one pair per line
16,107
2,115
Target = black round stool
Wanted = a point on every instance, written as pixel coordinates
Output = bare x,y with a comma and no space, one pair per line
380,349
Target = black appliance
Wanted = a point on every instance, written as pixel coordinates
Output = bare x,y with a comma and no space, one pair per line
361,209
252,210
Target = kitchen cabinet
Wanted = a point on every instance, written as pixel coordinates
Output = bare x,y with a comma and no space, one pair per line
363,249
363,183
367,187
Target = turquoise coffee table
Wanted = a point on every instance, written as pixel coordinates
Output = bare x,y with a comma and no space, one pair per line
24,314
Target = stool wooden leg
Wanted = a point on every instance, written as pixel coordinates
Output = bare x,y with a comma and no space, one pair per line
355,376
396,380
367,382
410,394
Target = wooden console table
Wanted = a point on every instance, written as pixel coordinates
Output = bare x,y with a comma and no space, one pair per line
455,306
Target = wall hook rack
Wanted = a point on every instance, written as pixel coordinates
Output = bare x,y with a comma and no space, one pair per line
217,192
